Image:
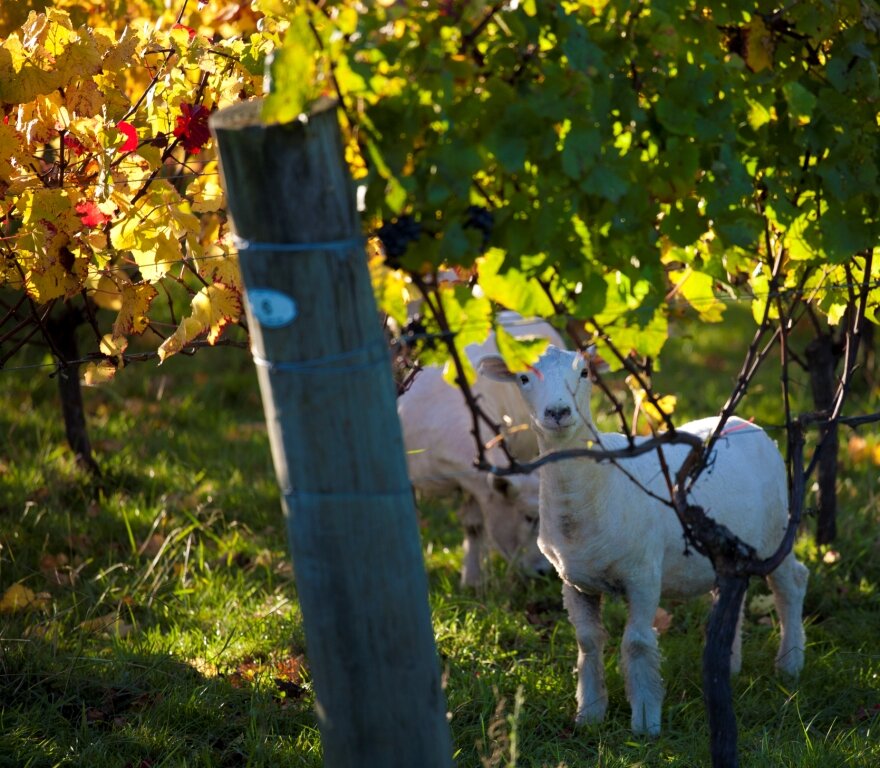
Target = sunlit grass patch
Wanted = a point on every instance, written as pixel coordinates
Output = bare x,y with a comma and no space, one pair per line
168,628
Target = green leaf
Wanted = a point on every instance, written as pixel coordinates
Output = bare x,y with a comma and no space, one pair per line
801,102
740,227
801,238
633,317
684,224
292,73
519,352
470,319
605,182
845,233
698,289
511,288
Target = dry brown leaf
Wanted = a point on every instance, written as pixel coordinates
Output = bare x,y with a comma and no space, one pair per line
662,621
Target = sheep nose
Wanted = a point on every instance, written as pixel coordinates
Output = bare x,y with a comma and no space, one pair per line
557,413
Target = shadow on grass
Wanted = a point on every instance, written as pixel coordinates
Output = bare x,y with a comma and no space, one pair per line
144,710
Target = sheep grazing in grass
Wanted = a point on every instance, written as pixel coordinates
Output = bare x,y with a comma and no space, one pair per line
604,534
497,511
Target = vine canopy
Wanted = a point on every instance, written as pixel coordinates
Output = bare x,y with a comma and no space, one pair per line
609,160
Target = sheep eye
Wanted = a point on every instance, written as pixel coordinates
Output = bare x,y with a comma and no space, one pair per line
531,519
523,378
585,373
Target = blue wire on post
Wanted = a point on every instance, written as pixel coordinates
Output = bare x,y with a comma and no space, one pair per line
243,244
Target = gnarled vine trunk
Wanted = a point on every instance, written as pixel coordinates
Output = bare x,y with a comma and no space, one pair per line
62,331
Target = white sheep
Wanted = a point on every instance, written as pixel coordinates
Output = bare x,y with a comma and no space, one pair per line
440,448
437,430
604,534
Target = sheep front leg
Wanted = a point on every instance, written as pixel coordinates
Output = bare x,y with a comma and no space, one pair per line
640,659
585,613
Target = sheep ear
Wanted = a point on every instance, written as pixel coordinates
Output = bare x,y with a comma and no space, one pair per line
503,486
494,367
594,360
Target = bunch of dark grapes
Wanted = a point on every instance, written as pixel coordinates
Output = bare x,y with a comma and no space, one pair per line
415,335
396,236
479,218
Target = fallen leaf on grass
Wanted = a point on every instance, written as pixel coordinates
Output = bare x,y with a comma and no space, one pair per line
858,449
152,546
868,714
288,675
662,621
57,571
18,597
112,624
761,605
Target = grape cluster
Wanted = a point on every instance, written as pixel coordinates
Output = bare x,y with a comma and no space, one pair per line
415,334
479,218
396,236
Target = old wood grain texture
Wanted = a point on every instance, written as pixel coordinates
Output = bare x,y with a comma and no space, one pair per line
330,406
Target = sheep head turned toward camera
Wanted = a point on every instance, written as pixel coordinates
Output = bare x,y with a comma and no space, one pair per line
606,529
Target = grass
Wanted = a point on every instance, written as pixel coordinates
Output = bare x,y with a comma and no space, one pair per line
166,631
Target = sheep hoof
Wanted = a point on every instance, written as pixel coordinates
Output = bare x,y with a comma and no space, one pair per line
590,715
652,730
646,721
790,665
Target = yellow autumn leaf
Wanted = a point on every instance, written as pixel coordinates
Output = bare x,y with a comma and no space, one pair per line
21,79
666,407
113,346
110,624
156,256
136,301
9,149
18,597
215,306
188,329
219,264
51,205
97,373
759,45
858,449
56,271
205,190
105,293
83,99
655,414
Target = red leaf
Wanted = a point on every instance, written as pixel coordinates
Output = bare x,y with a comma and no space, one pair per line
90,214
130,132
190,30
74,145
192,127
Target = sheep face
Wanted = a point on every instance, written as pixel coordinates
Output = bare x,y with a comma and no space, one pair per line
512,521
557,391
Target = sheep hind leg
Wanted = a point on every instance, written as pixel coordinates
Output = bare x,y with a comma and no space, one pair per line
789,586
471,516
585,614
640,659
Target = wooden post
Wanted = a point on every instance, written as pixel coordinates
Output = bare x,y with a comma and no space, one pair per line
330,405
